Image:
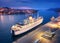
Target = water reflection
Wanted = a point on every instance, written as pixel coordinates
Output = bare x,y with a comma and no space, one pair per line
1,18
6,21
11,18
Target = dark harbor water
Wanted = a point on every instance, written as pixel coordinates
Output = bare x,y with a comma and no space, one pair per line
6,21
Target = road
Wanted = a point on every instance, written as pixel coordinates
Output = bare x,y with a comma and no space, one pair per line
36,34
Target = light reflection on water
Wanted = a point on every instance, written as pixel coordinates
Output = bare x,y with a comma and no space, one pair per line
6,21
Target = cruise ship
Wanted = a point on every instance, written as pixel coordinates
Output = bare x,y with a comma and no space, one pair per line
28,24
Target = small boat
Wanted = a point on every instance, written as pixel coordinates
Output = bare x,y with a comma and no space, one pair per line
28,24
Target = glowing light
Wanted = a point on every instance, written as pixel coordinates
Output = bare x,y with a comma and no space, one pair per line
30,18
52,25
58,23
43,40
2,19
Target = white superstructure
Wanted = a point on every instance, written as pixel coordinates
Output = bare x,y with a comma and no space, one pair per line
18,29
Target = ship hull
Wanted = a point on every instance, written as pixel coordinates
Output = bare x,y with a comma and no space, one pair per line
27,27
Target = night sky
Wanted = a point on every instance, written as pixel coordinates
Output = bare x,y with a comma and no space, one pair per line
36,4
